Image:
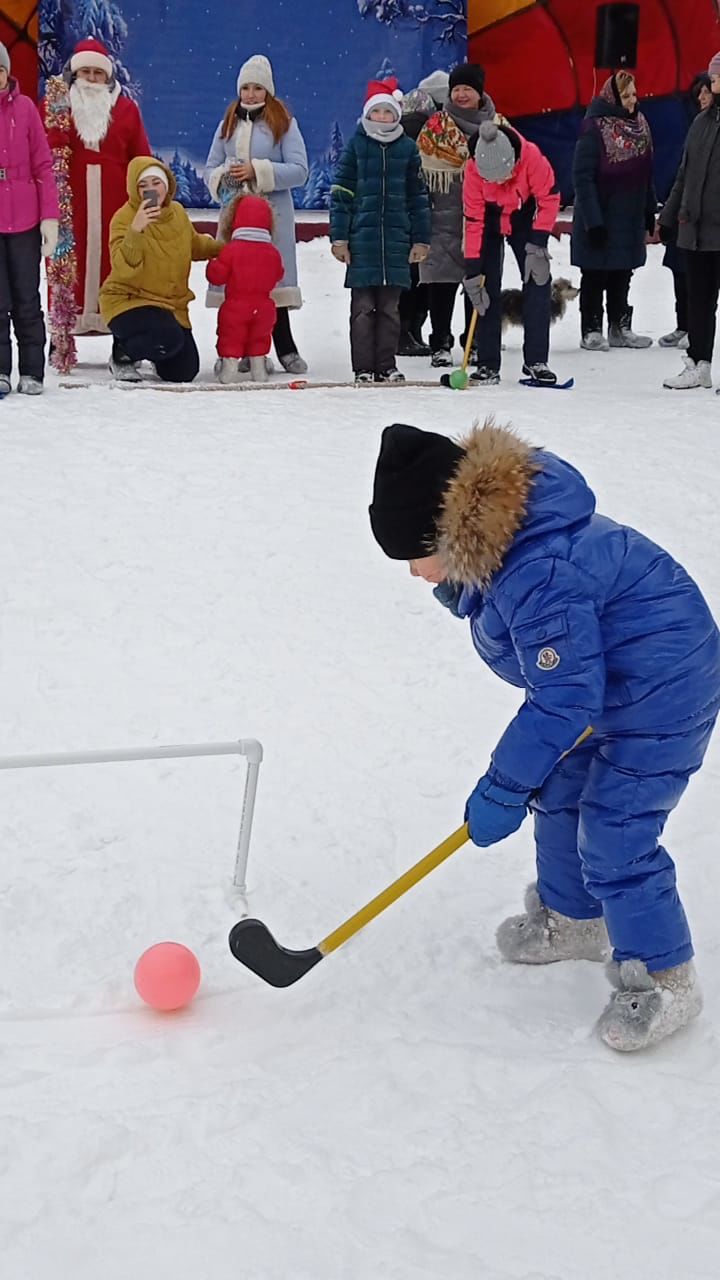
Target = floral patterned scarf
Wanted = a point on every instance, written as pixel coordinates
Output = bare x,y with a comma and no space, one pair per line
626,137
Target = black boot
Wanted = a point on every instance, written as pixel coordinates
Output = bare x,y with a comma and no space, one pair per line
409,345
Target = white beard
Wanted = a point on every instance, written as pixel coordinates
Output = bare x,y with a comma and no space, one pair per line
91,106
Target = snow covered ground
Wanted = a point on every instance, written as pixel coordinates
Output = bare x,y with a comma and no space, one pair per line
200,567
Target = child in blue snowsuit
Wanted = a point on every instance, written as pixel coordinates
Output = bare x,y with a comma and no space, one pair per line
619,657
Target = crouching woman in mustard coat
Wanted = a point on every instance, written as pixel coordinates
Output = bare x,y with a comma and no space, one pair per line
144,301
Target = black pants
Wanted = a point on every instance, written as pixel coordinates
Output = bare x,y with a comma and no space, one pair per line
703,283
442,306
594,285
151,333
20,302
283,340
681,299
535,306
374,328
414,305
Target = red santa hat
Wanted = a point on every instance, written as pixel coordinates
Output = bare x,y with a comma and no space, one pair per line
383,93
91,53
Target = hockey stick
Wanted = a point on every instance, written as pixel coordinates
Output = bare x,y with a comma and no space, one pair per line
458,379
252,943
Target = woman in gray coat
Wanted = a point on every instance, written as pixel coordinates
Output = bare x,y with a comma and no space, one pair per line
445,143
258,148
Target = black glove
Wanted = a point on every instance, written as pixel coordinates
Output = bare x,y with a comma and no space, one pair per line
597,237
668,235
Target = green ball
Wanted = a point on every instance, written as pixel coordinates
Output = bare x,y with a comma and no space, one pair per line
458,379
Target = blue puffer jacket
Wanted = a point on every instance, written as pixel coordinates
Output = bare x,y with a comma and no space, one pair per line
380,205
599,625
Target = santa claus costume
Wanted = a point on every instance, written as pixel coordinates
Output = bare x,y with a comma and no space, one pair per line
106,133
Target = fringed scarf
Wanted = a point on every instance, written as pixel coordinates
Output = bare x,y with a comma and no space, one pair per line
443,142
626,137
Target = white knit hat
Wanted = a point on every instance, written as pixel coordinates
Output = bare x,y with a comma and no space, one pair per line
4,58
155,171
257,70
437,84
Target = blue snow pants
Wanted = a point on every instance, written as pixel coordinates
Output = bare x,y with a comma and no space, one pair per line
598,821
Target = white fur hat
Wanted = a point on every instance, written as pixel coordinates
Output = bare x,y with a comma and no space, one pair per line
437,84
257,70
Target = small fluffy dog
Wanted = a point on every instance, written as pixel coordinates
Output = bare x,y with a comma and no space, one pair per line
561,293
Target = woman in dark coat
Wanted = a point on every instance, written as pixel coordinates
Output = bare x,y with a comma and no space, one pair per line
445,145
699,98
615,206
379,227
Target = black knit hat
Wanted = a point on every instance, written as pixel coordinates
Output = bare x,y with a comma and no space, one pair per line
411,476
470,73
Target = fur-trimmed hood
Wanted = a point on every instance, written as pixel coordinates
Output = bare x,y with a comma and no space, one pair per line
502,491
226,217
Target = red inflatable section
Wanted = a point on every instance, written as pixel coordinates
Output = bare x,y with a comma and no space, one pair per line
19,34
540,56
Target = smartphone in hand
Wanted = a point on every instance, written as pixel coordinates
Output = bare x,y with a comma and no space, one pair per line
152,199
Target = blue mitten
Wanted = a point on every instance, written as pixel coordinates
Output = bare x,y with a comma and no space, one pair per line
494,810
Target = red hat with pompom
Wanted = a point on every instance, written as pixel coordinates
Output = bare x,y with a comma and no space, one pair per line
91,53
383,93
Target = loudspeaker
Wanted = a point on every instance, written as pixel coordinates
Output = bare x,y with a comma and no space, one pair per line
616,36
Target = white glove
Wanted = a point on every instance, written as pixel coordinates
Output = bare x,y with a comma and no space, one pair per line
49,228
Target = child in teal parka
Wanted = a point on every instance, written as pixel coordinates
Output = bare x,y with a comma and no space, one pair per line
379,224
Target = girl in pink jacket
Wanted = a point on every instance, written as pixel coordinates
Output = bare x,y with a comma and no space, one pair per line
509,193
29,217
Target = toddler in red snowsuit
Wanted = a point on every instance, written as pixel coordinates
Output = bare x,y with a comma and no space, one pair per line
249,267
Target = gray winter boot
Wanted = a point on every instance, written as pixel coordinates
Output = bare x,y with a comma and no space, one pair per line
226,370
647,1007
258,369
621,334
542,936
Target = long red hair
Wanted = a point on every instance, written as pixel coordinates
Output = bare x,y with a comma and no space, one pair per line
274,113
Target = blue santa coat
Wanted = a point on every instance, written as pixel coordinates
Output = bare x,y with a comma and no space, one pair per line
598,624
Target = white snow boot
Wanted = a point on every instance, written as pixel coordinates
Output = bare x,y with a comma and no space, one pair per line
594,341
28,386
542,936
226,371
258,369
647,1007
693,375
622,335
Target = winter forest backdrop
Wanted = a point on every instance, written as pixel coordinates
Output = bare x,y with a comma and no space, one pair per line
180,62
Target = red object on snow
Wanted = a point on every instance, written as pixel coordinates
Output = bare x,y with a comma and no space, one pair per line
249,268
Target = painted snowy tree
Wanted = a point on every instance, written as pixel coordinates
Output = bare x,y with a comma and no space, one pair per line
444,20
64,22
177,168
316,192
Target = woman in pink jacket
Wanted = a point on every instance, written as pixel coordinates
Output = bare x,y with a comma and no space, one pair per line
28,227
509,192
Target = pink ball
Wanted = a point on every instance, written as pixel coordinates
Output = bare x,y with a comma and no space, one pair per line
167,976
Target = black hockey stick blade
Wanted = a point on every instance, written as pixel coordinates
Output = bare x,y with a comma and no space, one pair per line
252,943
